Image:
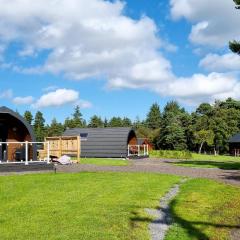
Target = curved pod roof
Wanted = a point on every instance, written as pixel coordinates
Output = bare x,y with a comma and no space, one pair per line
103,142
5,110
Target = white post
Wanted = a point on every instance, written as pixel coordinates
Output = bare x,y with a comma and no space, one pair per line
138,150
26,153
144,149
147,150
48,152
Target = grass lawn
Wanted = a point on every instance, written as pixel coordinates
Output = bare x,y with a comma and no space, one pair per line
211,161
205,209
111,206
79,206
104,162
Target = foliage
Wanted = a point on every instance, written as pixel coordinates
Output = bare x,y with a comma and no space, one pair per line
178,130
28,117
172,135
235,45
153,120
76,121
39,127
55,128
96,122
171,154
119,122
204,136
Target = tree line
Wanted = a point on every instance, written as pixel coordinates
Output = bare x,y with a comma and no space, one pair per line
208,128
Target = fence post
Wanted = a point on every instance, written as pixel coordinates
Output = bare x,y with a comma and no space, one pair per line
138,150
26,153
48,152
128,151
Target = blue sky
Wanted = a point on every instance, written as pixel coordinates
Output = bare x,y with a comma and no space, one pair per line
116,58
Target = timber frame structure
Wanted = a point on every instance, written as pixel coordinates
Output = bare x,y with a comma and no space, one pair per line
61,145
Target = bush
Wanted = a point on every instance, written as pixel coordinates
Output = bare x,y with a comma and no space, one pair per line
171,154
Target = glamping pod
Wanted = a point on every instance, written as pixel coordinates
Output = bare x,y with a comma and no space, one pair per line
234,145
104,142
14,130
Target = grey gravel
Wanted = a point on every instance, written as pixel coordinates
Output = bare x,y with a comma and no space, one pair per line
162,216
158,166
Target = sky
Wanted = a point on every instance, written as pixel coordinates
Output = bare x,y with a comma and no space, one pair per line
116,58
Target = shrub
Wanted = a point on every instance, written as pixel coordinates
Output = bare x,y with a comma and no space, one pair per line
172,154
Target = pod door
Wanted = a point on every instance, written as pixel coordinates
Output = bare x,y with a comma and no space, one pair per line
3,138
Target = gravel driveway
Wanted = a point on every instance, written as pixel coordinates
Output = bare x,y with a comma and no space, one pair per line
158,166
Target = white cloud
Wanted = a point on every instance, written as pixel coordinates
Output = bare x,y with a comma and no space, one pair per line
214,22
216,62
57,98
23,100
94,39
7,94
50,88
27,51
83,104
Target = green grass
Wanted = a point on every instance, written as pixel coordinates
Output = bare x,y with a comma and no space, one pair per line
79,206
205,209
104,162
211,161
196,156
200,160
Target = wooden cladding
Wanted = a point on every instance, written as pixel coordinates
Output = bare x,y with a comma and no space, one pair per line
59,146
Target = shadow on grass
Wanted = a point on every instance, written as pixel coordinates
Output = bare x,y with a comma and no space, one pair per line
228,165
191,227
232,176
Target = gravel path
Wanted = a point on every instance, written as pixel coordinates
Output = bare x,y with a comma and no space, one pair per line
159,166
163,220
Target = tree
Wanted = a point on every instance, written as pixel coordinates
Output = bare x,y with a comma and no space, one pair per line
76,121
96,122
173,131
235,45
204,136
204,108
126,122
28,117
115,122
105,123
153,120
39,126
55,129
77,118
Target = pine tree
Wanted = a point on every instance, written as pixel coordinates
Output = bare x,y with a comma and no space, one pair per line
153,120
173,132
126,122
105,124
28,117
115,122
39,127
76,121
172,135
96,122
235,45
77,118
55,129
